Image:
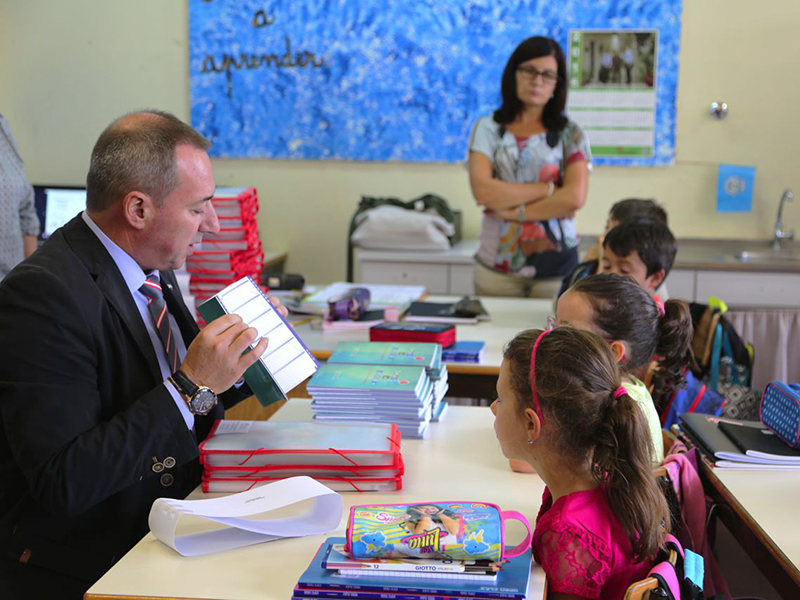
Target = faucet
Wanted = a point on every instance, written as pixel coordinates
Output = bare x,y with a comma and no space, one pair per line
780,234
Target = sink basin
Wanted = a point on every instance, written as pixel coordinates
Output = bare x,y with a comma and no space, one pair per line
768,255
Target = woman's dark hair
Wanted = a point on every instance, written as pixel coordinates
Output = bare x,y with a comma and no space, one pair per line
584,422
553,115
624,311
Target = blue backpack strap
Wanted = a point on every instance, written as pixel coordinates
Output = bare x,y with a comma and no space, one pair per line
716,354
694,568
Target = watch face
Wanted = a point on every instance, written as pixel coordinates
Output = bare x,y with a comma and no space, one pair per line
203,401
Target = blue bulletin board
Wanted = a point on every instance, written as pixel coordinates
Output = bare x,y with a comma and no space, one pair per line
404,80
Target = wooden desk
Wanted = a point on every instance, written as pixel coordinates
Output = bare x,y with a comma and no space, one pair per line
460,459
509,317
760,510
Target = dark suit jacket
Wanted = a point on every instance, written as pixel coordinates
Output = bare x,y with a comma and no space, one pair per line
84,414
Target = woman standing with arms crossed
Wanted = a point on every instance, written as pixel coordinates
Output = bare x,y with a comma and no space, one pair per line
19,225
529,169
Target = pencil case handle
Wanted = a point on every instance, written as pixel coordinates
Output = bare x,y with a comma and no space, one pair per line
524,544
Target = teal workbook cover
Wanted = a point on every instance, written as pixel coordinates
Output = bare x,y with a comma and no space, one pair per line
401,354
410,381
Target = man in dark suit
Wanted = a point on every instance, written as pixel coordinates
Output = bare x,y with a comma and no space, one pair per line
106,385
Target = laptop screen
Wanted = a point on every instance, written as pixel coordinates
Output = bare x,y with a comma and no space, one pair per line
56,205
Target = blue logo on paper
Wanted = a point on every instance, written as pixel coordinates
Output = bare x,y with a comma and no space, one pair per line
735,188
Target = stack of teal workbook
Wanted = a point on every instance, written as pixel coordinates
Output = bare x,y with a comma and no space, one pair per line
384,382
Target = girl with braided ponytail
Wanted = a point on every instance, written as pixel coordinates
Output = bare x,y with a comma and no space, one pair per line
562,407
640,330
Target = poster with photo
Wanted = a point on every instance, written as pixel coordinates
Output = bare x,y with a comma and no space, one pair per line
612,90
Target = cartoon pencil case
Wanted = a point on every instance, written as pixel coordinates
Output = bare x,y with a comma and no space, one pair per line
455,530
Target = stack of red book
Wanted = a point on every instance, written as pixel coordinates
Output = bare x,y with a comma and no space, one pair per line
232,253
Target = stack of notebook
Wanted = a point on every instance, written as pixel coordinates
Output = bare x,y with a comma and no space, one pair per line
464,351
401,354
232,253
361,457
384,382
742,445
333,574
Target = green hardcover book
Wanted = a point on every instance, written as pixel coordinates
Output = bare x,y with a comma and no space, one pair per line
286,362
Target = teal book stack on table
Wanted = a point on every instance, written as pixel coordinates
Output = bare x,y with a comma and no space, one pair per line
324,579
380,394
401,354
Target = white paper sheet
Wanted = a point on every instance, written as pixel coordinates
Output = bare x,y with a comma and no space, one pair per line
238,511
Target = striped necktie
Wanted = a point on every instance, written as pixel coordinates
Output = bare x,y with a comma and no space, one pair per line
158,310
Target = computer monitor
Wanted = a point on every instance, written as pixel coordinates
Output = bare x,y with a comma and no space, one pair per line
57,204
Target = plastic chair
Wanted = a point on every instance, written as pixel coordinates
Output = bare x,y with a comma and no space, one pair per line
673,576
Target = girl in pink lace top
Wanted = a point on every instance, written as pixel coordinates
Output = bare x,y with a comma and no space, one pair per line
561,407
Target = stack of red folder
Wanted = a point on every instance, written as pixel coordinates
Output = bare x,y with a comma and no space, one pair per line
232,253
354,457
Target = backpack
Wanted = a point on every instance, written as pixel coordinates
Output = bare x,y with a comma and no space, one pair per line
723,360
423,203
718,349
693,396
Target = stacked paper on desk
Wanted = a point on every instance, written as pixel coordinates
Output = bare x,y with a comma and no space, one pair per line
401,354
325,579
239,455
380,394
381,296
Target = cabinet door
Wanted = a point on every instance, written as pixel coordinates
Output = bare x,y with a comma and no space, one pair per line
680,284
738,289
433,276
462,280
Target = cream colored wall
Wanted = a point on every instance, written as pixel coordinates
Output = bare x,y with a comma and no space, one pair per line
68,68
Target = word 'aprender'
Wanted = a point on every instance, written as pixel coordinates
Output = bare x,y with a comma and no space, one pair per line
227,62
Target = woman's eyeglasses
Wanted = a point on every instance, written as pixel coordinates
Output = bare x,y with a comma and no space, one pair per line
531,73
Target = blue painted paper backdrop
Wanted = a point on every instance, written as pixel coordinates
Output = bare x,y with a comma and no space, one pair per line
386,80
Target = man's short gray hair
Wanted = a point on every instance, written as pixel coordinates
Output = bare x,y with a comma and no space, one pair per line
137,153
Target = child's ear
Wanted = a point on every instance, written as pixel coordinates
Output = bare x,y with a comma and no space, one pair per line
619,350
533,425
655,280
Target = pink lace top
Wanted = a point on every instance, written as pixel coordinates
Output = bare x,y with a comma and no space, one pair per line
582,547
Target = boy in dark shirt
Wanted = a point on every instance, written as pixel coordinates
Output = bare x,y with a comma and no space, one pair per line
622,210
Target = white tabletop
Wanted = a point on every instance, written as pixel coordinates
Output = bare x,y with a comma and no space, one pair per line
509,317
460,459
770,498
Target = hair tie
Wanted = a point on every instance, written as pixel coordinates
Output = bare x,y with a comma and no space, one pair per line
619,392
536,405
659,306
